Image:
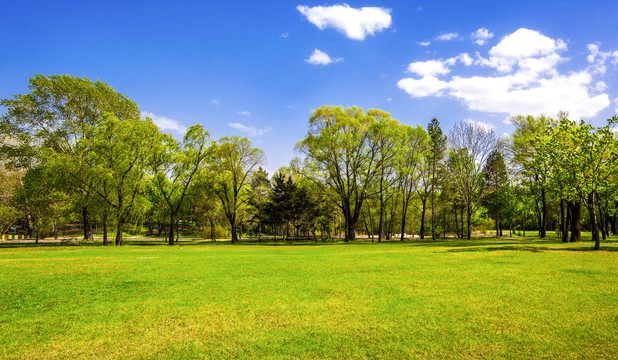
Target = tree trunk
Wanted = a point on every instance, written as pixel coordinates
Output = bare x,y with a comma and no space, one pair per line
456,221
593,220
30,225
602,221
469,216
564,231
38,229
119,237
171,234
496,221
500,223
104,228
212,229
576,225
543,230
87,224
422,233
404,213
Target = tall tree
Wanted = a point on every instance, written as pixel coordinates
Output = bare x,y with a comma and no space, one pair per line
471,145
57,113
436,154
176,166
583,159
496,179
340,146
233,163
120,153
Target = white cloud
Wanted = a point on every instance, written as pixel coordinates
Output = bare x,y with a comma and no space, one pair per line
165,123
448,36
321,58
485,126
439,66
356,24
215,101
598,59
250,130
481,36
284,35
528,80
424,43
244,113
389,99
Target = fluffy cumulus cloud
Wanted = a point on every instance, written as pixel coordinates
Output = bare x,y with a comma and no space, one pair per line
321,58
250,130
165,124
354,23
526,79
481,36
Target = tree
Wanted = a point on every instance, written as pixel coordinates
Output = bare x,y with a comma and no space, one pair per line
233,163
119,153
410,156
530,135
50,120
436,154
496,178
583,161
471,145
344,157
176,166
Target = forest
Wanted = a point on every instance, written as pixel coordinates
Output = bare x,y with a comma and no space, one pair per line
80,161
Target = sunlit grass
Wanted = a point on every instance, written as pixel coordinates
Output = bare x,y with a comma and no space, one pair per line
490,298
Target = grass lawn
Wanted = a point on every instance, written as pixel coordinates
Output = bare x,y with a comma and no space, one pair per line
484,298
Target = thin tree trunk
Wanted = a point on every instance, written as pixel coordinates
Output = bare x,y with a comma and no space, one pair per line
171,234
104,228
543,215
593,219
564,232
576,225
423,201
469,216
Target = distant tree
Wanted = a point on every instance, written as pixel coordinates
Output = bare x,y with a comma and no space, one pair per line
583,159
411,154
471,145
496,179
234,162
436,154
176,167
344,157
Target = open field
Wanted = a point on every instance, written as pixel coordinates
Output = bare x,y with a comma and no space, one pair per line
485,298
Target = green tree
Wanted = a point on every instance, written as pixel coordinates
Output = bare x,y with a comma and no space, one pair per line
436,154
584,159
344,157
496,179
471,145
50,120
176,166
234,162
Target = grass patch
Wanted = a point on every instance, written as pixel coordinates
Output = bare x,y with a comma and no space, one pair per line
484,298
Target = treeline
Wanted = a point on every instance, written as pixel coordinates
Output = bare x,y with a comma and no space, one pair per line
76,151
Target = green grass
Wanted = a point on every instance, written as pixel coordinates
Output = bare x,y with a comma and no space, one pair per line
484,298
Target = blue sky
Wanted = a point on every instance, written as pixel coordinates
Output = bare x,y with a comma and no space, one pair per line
258,68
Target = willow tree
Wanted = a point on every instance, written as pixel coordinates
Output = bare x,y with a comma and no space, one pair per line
343,152
471,144
46,124
233,163
176,167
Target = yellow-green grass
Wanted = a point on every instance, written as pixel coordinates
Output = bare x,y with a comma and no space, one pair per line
484,298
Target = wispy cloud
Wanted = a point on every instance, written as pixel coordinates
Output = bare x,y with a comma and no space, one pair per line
215,101
424,43
244,113
284,35
356,24
486,126
165,123
250,130
448,36
321,58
